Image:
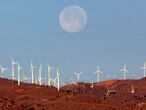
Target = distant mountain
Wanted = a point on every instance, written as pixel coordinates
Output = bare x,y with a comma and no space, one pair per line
122,95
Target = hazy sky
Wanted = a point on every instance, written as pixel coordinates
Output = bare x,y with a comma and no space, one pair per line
115,35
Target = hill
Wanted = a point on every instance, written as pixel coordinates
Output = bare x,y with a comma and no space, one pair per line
77,96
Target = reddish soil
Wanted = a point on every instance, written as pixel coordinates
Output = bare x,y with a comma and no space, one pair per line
79,96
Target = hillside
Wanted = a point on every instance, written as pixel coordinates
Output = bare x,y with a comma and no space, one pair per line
78,96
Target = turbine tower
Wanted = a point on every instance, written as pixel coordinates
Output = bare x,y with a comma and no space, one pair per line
13,71
58,80
132,89
18,70
124,70
40,75
78,75
32,72
144,69
3,69
98,72
49,75
92,85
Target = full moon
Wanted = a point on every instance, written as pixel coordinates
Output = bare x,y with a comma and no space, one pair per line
73,19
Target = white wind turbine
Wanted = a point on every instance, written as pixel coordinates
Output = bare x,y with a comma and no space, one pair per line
132,91
54,81
78,75
32,72
124,70
144,69
73,85
13,71
24,78
92,85
3,69
18,70
98,72
109,91
40,75
36,81
43,81
58,79
49,75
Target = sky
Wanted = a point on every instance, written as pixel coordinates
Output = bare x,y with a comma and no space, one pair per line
115,34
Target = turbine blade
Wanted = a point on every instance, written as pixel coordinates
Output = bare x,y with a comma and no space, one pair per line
126,71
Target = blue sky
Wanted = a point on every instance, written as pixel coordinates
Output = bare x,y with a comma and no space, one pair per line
115,35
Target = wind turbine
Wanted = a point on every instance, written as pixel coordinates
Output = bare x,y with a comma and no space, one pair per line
32,72
36,80
74,85
92,85
109,91
13,71
124,70
18,70
40,75
49,74
54,81
84,88
144,69
132,91
24,78
98,72
78,75
58,79
43,81
3,69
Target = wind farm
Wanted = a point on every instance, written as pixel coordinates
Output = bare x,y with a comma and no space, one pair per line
72,55
127,93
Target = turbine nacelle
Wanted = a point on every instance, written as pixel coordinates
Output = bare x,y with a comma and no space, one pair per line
13,62
78,74
3,68
124,69
98,71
